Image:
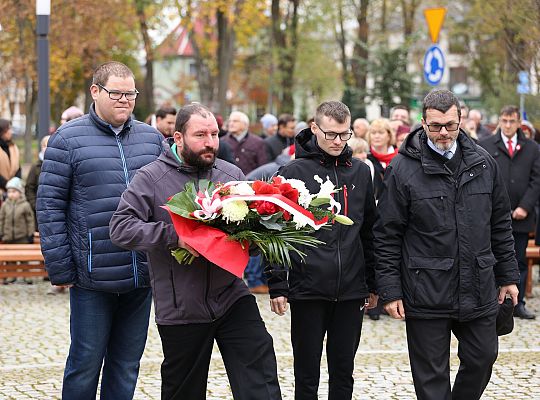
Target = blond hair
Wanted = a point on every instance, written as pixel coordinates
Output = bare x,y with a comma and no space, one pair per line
358,145
384,125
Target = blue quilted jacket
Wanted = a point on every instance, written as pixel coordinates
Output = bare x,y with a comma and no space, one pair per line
85,170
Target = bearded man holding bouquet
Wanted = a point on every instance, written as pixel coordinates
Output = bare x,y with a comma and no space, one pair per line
198,303
330,289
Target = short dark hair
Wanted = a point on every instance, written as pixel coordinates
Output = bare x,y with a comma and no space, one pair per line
284,119
441,100
333,109
4,126
399,107
162,112
510,110
108,69
184,115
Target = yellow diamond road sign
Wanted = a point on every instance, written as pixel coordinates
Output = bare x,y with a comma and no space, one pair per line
434,18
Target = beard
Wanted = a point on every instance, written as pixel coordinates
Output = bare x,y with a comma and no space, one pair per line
195,159
443,146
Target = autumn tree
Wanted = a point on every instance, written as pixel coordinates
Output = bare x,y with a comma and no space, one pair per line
285,39
499,45
216,29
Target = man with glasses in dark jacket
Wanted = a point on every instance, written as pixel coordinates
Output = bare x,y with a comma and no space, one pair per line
328,292
200,303
88,163
519,162
445,252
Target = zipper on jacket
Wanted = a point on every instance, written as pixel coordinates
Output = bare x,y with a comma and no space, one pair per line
208,273
339,239
346,199
173,288
89,251
134,263
126,175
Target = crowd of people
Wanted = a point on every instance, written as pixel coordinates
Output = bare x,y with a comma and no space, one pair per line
442,213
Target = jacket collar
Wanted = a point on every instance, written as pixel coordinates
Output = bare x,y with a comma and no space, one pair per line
106,127
416,147
521,141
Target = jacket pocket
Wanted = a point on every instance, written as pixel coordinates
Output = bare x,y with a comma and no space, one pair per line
431,281
430,210
486,286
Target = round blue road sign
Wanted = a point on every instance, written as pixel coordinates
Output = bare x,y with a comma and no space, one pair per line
434,65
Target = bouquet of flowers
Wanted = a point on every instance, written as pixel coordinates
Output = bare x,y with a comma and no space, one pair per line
221,221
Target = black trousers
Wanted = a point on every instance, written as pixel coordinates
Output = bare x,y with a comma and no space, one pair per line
342,323
429,353
521,240
246,348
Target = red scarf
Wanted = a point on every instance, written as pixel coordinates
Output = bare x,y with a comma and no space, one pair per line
384,158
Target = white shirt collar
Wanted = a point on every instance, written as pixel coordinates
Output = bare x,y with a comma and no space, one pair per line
513,139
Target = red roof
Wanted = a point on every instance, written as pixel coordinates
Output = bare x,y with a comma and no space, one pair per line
177,43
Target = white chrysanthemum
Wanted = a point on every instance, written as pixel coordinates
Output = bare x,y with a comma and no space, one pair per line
304,198
234,211
242,189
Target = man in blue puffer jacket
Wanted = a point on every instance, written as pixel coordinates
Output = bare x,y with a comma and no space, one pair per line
88,163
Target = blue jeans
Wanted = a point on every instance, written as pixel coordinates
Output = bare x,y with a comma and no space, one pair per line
254,272
107,329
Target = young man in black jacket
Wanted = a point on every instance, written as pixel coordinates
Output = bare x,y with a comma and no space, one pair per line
329,290
519,162
445,253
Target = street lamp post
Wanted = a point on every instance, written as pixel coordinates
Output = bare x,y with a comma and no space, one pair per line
43,12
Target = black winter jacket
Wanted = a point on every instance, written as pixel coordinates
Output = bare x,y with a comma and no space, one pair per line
521,174
444,242
342,268
197,293
276,144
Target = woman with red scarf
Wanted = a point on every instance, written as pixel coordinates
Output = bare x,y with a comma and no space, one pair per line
382,139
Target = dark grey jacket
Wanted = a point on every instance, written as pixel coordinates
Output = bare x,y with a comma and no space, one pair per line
443,241
196,293
521,174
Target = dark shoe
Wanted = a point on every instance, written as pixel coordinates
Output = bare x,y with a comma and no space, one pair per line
374,317
521,312
261,289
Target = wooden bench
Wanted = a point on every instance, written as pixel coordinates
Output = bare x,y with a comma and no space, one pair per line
21,261
533,255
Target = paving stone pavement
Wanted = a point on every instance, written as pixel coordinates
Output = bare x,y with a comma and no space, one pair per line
34,338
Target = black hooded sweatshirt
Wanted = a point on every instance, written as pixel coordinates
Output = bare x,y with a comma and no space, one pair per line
343,268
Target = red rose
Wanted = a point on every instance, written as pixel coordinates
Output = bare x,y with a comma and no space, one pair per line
267,208
289,192
276,180
260,187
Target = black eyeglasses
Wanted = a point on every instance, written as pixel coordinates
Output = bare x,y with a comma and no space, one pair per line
344,136
117,95
450,127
